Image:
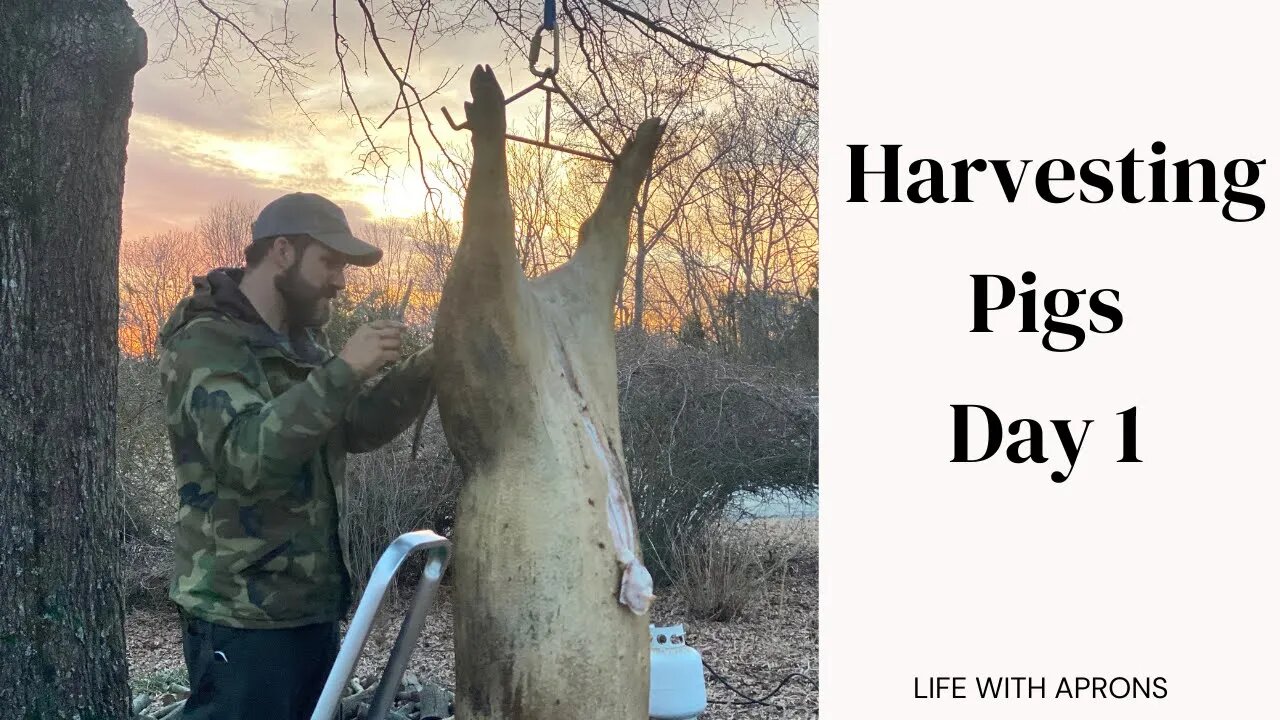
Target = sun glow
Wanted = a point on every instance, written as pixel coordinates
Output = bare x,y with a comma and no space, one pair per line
405,197
260,159
396,199
313,163
263,159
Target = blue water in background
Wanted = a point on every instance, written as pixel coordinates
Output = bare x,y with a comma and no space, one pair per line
774,506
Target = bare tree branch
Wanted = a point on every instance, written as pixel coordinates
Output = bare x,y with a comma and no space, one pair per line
659,29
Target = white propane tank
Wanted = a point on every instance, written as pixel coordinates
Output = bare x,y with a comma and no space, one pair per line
677,689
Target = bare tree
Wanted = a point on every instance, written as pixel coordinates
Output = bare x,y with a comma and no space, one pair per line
213,40
224,231
155,273
66,79
434,241
747,249
544,236
620,62
383,287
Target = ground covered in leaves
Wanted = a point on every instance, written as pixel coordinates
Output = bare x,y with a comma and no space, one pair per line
775,639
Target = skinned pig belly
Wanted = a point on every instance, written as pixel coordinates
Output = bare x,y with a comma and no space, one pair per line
538,577
636,588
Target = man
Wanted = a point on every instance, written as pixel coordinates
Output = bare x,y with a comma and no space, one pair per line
260,417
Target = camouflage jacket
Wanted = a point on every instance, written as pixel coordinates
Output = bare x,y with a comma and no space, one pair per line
259,428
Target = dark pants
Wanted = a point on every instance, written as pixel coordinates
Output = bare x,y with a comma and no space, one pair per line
256,674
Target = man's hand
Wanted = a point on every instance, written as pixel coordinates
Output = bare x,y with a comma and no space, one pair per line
373,346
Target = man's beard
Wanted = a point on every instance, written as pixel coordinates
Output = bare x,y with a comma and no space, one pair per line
305,305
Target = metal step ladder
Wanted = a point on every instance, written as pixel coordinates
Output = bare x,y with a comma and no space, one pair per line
437,549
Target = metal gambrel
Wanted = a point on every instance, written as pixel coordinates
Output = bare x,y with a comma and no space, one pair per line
547,83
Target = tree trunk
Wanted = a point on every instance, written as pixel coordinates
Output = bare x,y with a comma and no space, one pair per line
66,81
642,257
637,304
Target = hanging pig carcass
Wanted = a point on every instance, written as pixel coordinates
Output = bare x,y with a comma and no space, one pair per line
551,597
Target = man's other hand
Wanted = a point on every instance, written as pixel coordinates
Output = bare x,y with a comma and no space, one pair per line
373,346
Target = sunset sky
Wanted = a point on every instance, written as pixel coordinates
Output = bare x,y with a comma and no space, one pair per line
190,148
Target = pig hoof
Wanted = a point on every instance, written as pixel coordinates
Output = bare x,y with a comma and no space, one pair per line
486,112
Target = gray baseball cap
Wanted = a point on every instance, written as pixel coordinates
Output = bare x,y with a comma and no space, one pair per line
302,213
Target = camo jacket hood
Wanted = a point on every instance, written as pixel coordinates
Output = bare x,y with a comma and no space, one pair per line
259,426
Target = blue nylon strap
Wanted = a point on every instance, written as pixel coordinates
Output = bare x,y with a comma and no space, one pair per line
549,14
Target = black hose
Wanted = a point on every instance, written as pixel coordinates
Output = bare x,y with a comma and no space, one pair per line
748,699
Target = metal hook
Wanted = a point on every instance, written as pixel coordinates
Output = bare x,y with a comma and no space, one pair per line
547,83
535,50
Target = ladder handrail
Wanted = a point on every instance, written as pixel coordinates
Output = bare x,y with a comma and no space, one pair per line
362,622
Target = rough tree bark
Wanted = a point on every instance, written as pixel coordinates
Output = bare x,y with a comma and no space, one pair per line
66,85
551,597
